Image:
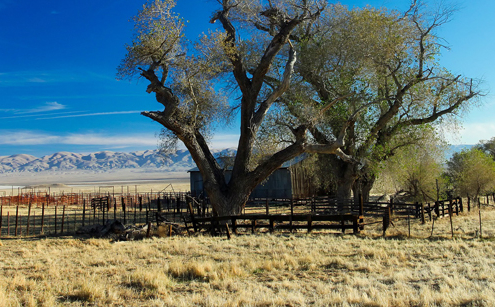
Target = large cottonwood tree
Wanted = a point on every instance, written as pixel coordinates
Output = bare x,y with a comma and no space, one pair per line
379,71
186,78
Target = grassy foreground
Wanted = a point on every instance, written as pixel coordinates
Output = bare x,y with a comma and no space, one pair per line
253,270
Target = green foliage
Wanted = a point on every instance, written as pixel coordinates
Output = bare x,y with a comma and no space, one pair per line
376,73
416,168
471,172
488,147
159,45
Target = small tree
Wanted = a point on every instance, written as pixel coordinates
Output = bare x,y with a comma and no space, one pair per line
471,172
488,147
416,169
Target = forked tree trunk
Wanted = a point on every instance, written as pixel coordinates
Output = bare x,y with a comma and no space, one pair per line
228,204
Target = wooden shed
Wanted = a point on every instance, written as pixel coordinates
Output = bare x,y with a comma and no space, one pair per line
289,181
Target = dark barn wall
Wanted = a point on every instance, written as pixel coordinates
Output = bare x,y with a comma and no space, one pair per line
278,185
196,182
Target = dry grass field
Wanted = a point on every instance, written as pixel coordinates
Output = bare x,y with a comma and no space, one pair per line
259,270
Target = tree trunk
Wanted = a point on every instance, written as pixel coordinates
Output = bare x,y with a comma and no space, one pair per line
228,206
345,181
344,187
229,200
363,185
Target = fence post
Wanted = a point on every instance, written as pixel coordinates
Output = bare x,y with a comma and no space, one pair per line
55,219
1,218
29,218
84,212
8,223
469,204
133,204
234,224
460,204
63,219
123,209
291,212
386,218
409,218
103,211
267,207
479,213
42,217
147,215
451,212
34,224
16,219
423,213
94,213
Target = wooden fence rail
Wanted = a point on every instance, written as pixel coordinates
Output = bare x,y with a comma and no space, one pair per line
57,217
43,219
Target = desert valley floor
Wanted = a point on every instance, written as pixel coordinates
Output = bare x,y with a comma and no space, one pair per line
87,181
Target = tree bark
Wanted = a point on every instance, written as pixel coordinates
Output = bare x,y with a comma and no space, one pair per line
363,185
347,175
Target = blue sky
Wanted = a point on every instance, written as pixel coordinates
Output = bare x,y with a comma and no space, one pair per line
58,61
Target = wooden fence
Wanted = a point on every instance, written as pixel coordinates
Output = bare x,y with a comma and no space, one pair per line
66,213
52,218
318,213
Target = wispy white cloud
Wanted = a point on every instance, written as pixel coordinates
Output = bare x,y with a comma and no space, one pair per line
47,107
220,141
31,138
36,115
111,140
103,140
26,138
36,80
90,114
19,78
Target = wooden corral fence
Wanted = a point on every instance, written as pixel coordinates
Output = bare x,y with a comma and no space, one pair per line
317,213
278,214
58,217
66,213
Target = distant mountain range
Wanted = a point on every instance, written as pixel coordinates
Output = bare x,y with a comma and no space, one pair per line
109,160
102,161
456,148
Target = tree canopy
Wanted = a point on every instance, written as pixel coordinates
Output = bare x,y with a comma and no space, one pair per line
377,73
306,76
185,77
